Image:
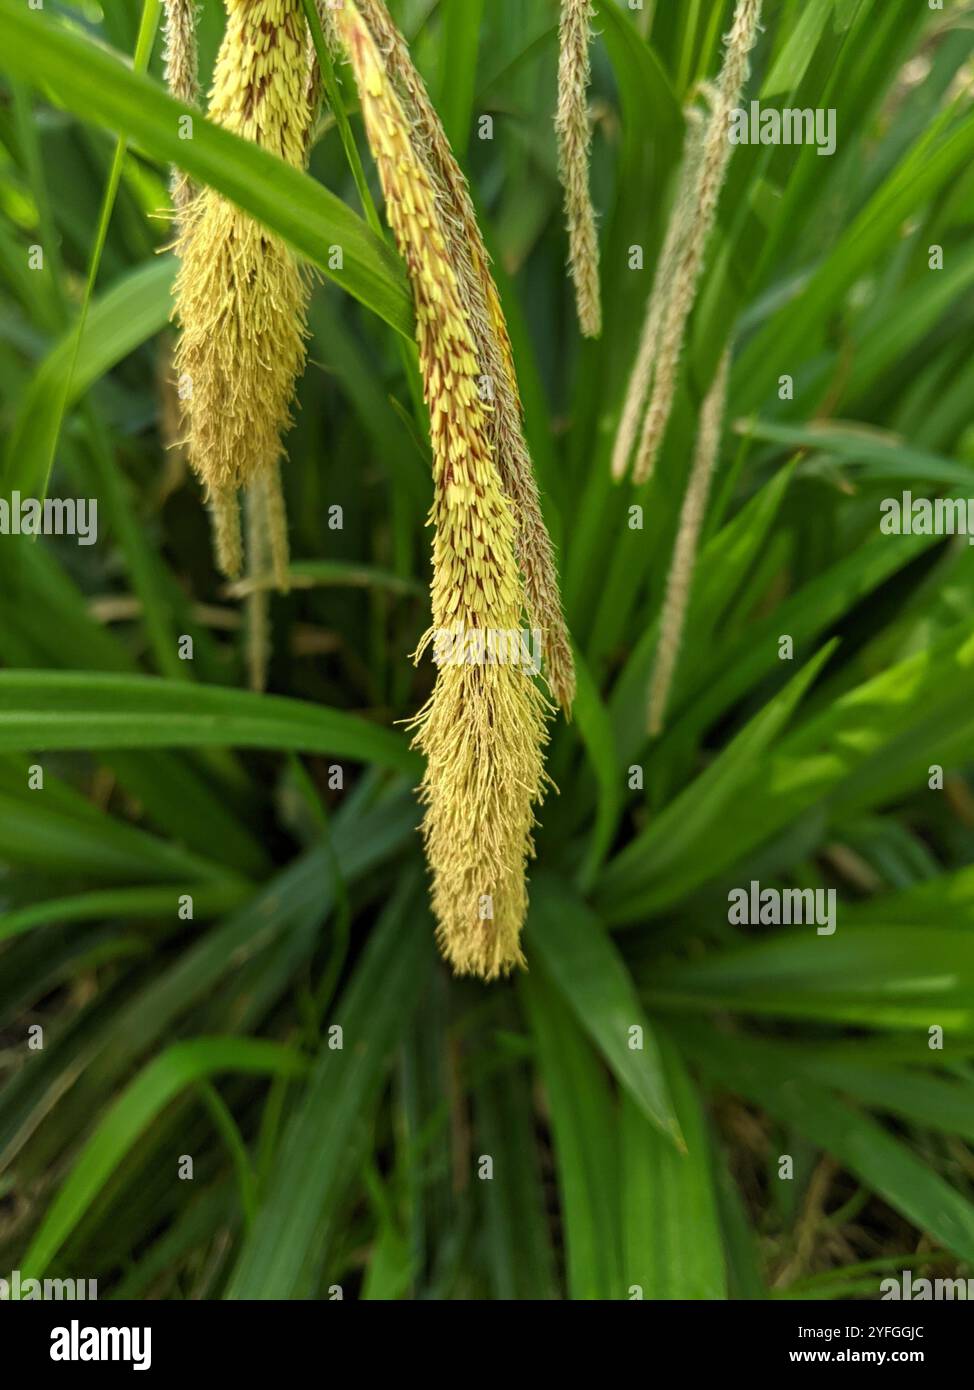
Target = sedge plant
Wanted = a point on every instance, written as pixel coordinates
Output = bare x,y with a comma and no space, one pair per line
725,1050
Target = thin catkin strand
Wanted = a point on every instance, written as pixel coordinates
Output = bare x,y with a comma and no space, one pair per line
271,492
182,78
227,537
483,728
257,601
714,162
574,154
471,264
641,377
171,423
680,580
181,61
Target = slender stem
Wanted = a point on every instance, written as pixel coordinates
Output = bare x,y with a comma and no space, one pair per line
236,1147
333,93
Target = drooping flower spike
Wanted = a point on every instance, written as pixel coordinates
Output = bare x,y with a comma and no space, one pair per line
677,228
680,581
241,298
483,729
574,150
471,264
695,220
182,78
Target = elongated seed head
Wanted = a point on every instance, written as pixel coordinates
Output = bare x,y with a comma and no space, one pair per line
677,229
574,147
680,580
485,316
240,296
483,728
182,77
712,169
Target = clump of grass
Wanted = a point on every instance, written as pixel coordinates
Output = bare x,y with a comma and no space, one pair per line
291,861
574,150
483,728
241,298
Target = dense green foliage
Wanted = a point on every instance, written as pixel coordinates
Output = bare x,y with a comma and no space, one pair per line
613,1166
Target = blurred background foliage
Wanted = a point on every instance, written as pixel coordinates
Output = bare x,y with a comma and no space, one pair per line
614,1167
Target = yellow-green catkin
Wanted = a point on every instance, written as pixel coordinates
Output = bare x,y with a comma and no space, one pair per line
256,602
641,377
680,581
181,61
182,78
483,729
574,150
241,299
711,171
485,314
